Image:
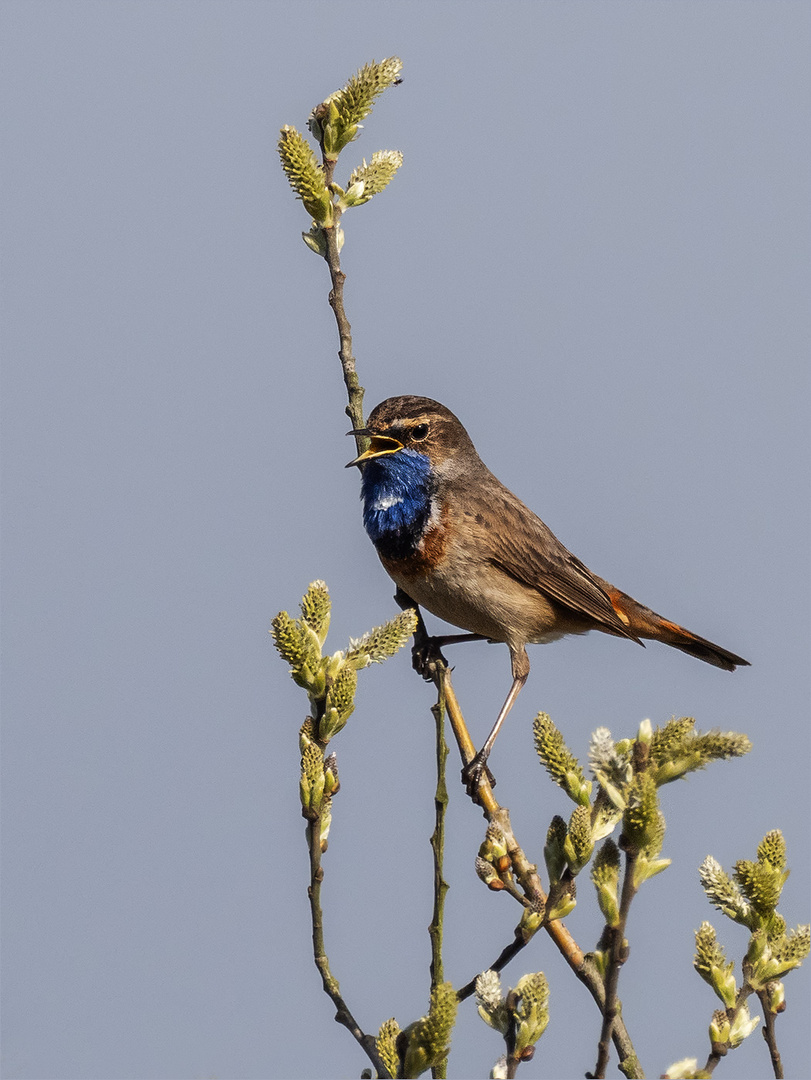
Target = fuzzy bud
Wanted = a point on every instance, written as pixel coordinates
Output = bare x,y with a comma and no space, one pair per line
305,175
723,893
336,121
794,947
341,697
553,852
325,822
488,874
772,849
767,960
682,1070
670,737
604,816
490,1001
561,902
332,785
382,642
677,749
369,180
721,745
315,240
611,766
643,824
297,645
494,845
532,1011
605,873
742,1026
761,884
386,1042
315,609
428,1039
719,1031
311,785
559,761
710,963
579,844
776,997
306,734
646,868
532,919
599,958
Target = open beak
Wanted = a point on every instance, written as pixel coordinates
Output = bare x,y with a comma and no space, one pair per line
380,445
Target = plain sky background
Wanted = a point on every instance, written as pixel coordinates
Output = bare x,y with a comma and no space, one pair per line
597,254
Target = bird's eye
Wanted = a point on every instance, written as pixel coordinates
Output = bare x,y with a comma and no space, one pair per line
419,432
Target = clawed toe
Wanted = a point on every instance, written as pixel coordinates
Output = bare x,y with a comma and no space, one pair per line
472,774
425,655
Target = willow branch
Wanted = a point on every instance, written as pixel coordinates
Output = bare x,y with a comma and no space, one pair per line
330,983
720,1050
435,930
434,668
770,1033
354,410
508,953
354,390
617,955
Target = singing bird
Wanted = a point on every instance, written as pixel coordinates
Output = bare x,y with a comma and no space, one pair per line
460,544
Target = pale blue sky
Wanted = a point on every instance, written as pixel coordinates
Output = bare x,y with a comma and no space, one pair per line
597,254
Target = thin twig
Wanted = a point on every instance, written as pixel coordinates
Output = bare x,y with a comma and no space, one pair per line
355,413
510,1036
617,955
354,390
770,1034
435,930
438,847
330,983
720,1050
505,956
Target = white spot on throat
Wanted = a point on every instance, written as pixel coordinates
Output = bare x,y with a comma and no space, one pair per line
385,502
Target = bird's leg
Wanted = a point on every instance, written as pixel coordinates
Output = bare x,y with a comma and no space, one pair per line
456,639
473,770
427,649
424,652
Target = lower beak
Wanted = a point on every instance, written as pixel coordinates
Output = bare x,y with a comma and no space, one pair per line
380,445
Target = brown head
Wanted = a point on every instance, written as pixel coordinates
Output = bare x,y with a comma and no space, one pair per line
418,423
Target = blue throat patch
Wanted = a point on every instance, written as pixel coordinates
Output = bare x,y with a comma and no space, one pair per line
397,491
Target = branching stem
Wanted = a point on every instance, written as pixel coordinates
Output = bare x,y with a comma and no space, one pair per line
354,390
355,412
720,1050
330,983
435,930
438,672
770,1034
510,1038
617,955
438,846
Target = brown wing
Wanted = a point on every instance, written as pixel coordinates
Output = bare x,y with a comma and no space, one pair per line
522,546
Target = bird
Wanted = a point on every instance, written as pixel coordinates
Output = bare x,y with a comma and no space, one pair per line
458,543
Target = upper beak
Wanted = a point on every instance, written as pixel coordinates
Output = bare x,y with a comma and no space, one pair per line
380,444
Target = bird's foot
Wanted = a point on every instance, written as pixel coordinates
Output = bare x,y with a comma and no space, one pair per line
425,654
472,774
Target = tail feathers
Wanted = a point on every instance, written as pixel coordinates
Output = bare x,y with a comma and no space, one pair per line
704,650
644,623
